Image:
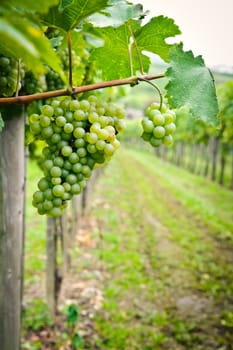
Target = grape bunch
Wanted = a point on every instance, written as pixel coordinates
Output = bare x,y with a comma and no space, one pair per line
159,125
33,84
53,79
8,75
78,135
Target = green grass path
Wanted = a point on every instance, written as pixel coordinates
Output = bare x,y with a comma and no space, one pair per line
166,253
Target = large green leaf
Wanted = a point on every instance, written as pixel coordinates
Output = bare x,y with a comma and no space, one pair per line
151,37
113,58
21,37
41,6
116,15
69,16
191,83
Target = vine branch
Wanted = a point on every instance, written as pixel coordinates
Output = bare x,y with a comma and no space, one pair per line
77,90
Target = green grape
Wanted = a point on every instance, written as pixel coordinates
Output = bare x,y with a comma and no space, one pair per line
38,197
43,184
81,152
44,121
76,188
56,180
71,179
79,133
73,158
55,171
66,151
68,128
91,137
109,149
159,132
60,121
158,125
168,140
58,191
170,128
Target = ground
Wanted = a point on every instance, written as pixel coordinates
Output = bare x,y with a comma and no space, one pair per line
151,265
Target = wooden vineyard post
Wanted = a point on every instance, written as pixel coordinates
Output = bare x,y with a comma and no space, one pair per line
66,241
76,214
53,274
12,183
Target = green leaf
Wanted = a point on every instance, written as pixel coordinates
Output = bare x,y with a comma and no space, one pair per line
113,58
41,6
1,122
69,16
151,37
77,341
115,53
26,40
116,15
191,83
72,314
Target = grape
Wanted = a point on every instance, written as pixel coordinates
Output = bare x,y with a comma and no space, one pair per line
58,190
159,132
55,171
78,135
158,125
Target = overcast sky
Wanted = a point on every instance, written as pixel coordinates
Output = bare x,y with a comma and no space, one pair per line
206,25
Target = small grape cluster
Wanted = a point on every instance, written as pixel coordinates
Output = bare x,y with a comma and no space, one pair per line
159,125
9,76
53,79
78,135
33,84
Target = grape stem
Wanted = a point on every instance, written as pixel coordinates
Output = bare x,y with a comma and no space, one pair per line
77,90
156,87
18,77
69,44
137,49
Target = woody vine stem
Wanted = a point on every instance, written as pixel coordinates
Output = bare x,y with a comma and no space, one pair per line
133,80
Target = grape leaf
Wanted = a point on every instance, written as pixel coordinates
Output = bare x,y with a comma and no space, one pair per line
113,58
191,83
73,13
116,15
151,37
26,40
41,6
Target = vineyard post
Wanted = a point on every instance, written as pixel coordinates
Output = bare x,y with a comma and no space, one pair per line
51,266
12,184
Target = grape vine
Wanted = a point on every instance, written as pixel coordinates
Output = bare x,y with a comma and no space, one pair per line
66,40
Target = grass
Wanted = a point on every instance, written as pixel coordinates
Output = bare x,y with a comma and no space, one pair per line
35,230
163,246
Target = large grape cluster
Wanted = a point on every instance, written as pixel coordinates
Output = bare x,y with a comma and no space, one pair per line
159,125
79,135
9,76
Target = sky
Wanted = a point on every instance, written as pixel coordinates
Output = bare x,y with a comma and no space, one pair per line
206,26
